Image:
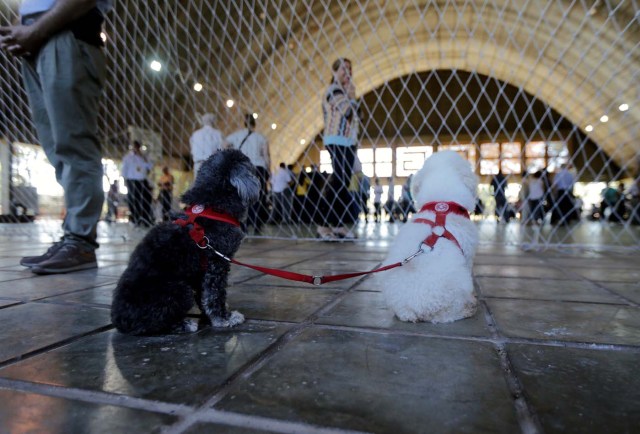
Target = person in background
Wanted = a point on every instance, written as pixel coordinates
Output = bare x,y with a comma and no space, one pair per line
289,194
405,204
341,124
634,201
113,198
390,205
301,189
279,184
564,210
63,69
536,198
135,168
205,141
365,188
314,191
165,195
499,186
610,197
377,200
256,147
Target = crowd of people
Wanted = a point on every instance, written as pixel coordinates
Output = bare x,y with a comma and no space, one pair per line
547,196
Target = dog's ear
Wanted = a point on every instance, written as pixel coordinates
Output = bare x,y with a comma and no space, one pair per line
245,181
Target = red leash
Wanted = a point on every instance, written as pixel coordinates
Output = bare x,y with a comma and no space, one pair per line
441,209
315,280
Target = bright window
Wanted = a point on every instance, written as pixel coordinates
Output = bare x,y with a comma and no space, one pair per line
558,155
490,150
489,167
510,158
409,159
468,152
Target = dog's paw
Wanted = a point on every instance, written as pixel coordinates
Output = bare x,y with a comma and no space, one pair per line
407,316
186,326
234,319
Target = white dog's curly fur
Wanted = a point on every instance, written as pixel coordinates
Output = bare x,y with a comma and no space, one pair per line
435,286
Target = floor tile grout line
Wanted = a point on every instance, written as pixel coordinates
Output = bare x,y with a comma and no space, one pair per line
526,414
73,303
491,340
246,370
598,303
255,364
260,423
595,282
94,396
73,291
475,274
53,346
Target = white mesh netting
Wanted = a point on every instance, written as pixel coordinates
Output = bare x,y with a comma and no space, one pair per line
515,86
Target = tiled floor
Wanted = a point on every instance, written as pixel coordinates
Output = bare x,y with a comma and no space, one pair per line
555,348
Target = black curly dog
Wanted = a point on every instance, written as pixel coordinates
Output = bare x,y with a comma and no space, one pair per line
168,273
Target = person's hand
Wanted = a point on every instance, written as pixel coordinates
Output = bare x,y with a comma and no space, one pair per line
351,90
20,40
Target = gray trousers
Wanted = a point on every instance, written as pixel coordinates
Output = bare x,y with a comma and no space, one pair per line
64,84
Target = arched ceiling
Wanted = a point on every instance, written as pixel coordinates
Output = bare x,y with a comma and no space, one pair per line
582,65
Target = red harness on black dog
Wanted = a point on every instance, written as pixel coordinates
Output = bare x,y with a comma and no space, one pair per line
197,231
438,227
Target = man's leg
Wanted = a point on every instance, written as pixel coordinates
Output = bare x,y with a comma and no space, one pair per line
71,73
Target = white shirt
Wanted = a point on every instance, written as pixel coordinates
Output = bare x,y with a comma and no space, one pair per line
255,147
377,194
135,167
280,180
204,142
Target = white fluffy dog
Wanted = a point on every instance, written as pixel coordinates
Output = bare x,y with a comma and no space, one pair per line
436,285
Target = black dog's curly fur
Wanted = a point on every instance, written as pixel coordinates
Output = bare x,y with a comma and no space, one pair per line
166,275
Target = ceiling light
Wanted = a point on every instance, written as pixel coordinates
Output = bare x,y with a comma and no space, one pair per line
604,118
155,65
197,87
255,115
274,126
303,141
623,107
588,128
230,103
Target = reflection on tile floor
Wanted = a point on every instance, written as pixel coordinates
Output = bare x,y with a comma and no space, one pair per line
554,347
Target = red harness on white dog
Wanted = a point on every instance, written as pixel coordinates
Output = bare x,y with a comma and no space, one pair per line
438,227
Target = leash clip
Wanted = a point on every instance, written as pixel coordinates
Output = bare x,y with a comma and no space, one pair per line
206,245
317,280
419,252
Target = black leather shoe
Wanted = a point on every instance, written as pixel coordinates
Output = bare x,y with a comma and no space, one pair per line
30,261
69,257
